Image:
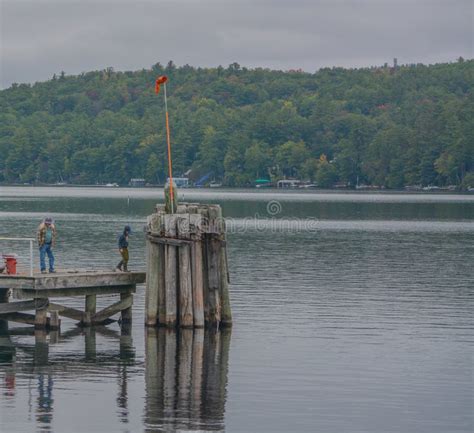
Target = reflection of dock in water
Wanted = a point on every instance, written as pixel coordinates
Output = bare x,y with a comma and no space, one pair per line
185,372
46,366
186,379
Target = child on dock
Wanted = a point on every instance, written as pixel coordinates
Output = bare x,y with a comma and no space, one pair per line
46,241
123,249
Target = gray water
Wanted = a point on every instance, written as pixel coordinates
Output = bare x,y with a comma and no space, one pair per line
352,313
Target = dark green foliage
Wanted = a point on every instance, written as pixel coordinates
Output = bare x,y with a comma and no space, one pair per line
380,126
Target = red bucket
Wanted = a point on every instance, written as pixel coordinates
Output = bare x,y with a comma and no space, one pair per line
10,262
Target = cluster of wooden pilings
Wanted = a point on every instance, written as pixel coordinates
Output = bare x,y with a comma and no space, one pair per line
187,273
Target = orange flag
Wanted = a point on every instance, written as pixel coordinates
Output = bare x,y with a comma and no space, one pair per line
160,80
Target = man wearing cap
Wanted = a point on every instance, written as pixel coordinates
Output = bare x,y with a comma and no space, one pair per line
123,249
46,242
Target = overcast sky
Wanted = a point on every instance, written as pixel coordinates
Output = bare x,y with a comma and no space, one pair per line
43,37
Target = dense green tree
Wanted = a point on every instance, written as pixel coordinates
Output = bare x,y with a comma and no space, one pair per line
413,125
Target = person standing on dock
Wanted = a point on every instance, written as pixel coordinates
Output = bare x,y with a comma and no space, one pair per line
46,242
123,249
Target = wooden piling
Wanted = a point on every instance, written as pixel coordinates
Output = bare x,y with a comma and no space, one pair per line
126,313
54,322
171,280
185,288
160,270
151,291
198,284
41,318
90,309
214,280
226,312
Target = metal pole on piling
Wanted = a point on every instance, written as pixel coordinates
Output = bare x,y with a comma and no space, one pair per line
170,166
162,80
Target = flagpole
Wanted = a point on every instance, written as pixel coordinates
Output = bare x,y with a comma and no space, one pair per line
169,151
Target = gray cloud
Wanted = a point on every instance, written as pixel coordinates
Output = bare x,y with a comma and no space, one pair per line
43,37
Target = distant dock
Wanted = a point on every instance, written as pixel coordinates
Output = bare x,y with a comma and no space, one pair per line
33,293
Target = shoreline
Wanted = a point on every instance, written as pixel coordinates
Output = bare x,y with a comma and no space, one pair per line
440,191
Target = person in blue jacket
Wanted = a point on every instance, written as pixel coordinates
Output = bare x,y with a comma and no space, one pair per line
123,249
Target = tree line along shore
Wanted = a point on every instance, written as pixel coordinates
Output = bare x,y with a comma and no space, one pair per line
392,127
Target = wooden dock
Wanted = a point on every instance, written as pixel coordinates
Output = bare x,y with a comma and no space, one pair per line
33,293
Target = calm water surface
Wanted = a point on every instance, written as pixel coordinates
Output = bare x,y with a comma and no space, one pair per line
352,313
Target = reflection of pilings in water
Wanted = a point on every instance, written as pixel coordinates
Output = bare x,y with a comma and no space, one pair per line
7,349
7,354
41,349
122,398
154,351
90,347
169,376
186,379
44,412
127,357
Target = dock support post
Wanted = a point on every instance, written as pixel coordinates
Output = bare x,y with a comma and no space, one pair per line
41,318
54,322
126,314
91,305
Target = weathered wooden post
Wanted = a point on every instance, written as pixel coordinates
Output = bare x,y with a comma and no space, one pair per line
187,275
54,321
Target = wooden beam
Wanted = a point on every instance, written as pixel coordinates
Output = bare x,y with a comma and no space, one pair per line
103,279
168,241
111,310
15,282
15,307
72,280
27,319
82,291
69,312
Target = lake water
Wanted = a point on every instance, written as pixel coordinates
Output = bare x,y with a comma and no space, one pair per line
352,313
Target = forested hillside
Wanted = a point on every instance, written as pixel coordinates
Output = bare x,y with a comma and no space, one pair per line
382,126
